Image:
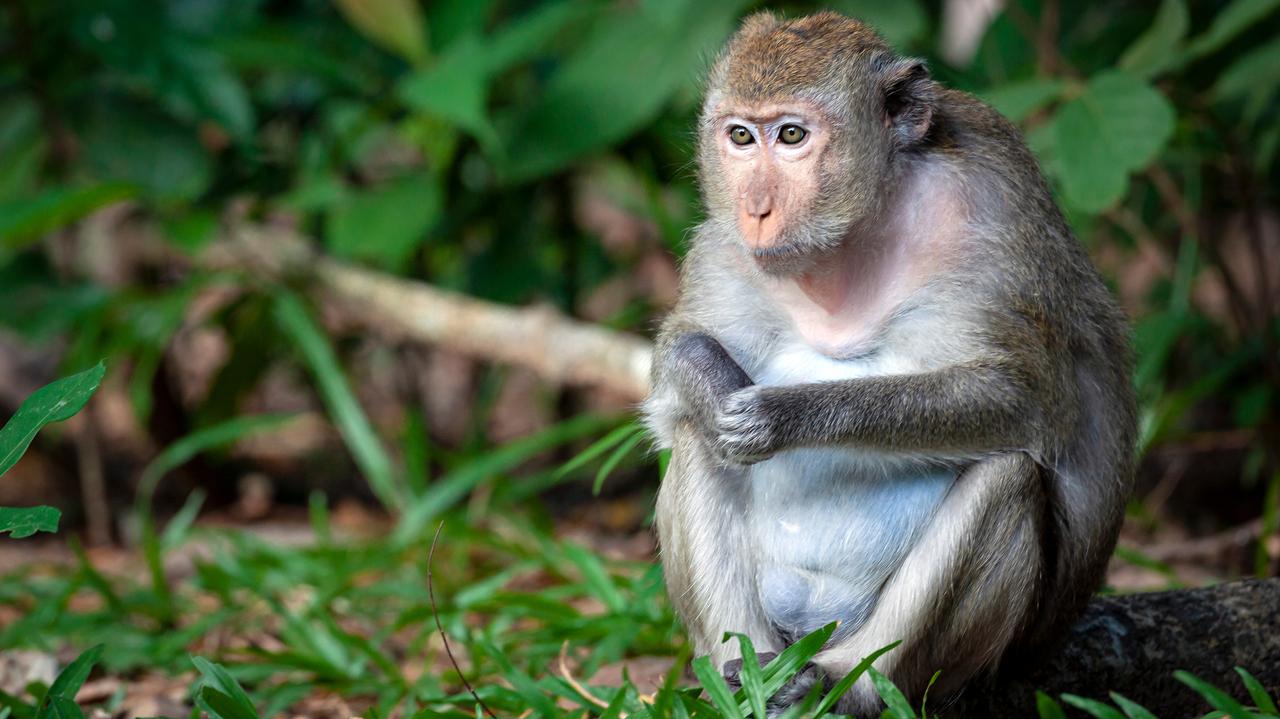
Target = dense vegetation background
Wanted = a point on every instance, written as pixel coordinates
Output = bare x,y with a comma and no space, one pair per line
522,153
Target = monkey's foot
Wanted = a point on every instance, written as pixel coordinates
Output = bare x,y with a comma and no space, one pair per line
793,692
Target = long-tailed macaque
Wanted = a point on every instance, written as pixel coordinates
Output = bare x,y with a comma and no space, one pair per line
896,391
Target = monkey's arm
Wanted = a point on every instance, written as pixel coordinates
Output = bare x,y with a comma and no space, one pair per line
693,374
963,409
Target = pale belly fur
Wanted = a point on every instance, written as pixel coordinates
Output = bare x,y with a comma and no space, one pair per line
830,526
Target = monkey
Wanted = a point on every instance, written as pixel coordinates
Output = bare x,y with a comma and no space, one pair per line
896,390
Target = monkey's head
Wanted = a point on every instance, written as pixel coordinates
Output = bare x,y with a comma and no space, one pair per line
804,127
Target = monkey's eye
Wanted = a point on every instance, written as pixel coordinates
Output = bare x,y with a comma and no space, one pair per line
791,134
740,135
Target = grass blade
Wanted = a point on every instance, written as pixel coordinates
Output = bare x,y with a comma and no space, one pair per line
237,704
899,707
751,677
1217,698
790,660
716,688
296,322
1131,708
1047,707
1092,707
1261,699
843,686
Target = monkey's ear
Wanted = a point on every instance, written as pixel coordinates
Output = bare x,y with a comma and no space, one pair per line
908,100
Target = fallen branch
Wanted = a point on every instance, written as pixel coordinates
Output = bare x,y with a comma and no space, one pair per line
558,348
1132,644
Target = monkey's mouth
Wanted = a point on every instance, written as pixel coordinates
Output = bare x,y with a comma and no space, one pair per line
782,259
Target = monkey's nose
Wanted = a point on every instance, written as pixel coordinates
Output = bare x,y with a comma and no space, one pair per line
759,207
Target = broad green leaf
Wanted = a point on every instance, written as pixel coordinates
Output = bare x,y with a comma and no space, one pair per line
396,25
29,218
1239,16
1216,697
22,522
902,22
619,78
126,141
1017,100
55,402
1257,692
1092,707
296,323
59,708
455,89
1117,125
716,688
385,224
899,707
1156,49
59,701
233,702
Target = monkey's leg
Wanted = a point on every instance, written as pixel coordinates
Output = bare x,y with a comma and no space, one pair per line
706,557
964,591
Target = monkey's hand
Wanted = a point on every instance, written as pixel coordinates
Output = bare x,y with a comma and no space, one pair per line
749,426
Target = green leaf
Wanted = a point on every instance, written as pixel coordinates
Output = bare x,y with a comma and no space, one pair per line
598,448
354,426
129,142
596,578
716,688
396,25
30,218
846,683
899,707
22,522
1257,692
385,224
1257,71
1217,698
1132,709
902,22
1156,49
234,703
616,82
455,89
790,660
610,464
1117,125
1047,708
1092,707
751,677
1239,16
60,708
1017,100
55,402
59,701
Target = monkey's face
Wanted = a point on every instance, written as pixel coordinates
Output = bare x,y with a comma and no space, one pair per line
775,178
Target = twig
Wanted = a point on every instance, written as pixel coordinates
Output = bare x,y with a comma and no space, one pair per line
435,614
564,672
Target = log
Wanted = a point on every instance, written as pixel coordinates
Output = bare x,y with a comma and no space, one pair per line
1132,644
558,348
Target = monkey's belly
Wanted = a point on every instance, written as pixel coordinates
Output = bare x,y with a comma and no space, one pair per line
830,527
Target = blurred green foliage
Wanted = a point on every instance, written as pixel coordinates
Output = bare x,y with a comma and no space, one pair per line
450,141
